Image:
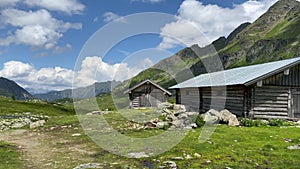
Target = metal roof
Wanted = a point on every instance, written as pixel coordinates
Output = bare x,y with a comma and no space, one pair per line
239,76
148,81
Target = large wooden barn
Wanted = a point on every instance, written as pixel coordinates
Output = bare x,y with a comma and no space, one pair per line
270,90
147,94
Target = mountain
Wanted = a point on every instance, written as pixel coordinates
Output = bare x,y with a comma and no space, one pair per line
11,89
273,36
82,92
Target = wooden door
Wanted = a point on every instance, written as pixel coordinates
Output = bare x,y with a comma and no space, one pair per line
143,100
296,103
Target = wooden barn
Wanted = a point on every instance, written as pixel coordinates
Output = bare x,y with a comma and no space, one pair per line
270,90
147,94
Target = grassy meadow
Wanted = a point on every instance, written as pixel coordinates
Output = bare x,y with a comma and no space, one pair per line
56,146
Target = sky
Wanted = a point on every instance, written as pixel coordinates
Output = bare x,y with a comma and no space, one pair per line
44,44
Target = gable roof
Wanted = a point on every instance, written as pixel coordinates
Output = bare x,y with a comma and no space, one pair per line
148,81
239,76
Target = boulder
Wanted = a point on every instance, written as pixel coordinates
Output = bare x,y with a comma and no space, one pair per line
229,118
162,124
225,116
179,107
212,116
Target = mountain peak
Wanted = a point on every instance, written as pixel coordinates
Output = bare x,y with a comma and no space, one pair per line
9,88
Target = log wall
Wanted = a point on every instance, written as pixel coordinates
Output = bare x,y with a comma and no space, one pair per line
219,98
190,98
270,102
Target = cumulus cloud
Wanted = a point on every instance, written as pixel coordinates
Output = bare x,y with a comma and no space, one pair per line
110,16
197,23
36,29
66,6
92,69
6,3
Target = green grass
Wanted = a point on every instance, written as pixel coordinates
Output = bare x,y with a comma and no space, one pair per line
234,147
9,157
9,106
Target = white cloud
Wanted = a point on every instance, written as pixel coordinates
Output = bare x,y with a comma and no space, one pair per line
67,6
196,20
110,16
92,69
37,29
6,3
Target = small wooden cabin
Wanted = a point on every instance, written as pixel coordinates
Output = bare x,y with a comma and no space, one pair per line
147,94
270,90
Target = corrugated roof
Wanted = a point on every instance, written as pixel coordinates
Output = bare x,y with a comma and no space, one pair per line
239,76
148,81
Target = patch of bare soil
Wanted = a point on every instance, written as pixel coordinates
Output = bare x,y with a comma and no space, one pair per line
39,150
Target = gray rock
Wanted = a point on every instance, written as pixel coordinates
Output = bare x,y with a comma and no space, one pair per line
162,124
170,164
229,118
165,105
179,107
194,125
138,155
182,116
294,147
88,165
37,124
192,114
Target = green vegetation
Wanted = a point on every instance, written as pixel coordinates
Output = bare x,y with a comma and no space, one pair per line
235,147
9,157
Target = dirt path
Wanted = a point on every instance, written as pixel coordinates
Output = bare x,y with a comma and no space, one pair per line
42,151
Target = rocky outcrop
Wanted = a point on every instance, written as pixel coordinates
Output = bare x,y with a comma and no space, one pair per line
224,116
19,120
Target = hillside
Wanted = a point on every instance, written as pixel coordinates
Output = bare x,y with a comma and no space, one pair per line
11,89
273,36
95,89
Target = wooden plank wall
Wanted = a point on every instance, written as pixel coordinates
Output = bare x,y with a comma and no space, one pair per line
190,98
270,102
231,98
280,79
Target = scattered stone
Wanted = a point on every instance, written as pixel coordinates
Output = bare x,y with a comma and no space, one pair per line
138,155
76,135
294,147
287,140
197,155
88,165
170,164
177,158
194,125
188,156
165,105
37,124
162,124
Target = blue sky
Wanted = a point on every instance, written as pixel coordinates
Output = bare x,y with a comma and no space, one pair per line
40,40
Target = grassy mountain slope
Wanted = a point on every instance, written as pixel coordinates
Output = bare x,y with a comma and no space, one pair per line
96,88
273,36
11,89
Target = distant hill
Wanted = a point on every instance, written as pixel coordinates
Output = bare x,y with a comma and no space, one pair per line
273,36
11,89
83,92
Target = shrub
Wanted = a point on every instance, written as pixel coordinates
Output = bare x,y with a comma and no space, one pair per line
199,121
276,122
251,123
